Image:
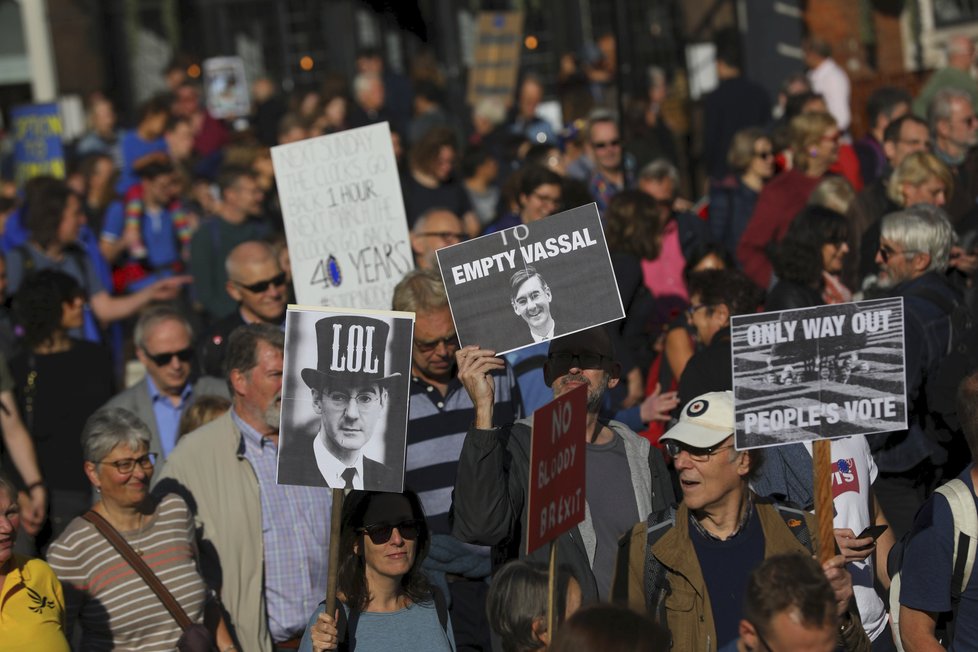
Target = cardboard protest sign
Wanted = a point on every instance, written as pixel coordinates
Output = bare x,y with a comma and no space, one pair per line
36,132
531,283
557,473
816,373
345,398
226,87
499,41
344,217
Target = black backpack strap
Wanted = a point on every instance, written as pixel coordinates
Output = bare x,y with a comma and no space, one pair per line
656,585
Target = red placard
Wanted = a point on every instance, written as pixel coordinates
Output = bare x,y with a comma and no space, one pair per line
556,492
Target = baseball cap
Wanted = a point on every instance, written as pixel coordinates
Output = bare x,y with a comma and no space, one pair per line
705,421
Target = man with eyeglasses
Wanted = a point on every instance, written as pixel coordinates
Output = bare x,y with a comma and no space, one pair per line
435,229
602,144
955,129
238,219
439,415
259,287
689,565
164,345
626,477
264,545
913,254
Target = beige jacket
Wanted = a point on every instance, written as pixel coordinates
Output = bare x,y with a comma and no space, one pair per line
209,470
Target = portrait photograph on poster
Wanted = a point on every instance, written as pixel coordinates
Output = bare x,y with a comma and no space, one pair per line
226,87
344,218
817,373
531,283
345,398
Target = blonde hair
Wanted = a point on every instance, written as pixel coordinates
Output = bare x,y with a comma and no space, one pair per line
834,193
916,169
202,411
741,151
807,129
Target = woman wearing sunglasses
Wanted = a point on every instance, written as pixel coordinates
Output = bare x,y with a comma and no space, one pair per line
386,601
105,593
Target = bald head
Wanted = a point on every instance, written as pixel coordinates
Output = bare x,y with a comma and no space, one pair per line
256,282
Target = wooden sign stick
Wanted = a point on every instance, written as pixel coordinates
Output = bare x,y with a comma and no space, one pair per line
334,552
552,593
824,510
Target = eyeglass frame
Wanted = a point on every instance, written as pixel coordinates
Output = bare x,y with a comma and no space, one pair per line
885,252
444,235
675,448
259,287
163,359
145,462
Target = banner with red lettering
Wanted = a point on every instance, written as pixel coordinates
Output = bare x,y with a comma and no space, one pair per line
816,373
343,408
557,475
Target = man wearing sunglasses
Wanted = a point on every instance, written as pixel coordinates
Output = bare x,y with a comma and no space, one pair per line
258,285
439,416
612,172
436,228
164,345
913,254
626,478
699,556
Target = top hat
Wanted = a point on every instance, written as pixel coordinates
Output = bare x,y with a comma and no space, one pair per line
352,352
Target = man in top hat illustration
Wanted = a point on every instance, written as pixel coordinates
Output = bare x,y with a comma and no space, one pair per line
350,395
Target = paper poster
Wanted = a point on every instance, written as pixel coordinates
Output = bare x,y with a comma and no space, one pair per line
531,283
814,373
556,493
226,87
344,218
36,133
345,398
498,43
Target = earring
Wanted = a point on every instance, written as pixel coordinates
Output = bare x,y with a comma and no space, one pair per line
813,152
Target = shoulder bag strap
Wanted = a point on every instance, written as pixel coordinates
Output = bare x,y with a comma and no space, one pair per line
140,567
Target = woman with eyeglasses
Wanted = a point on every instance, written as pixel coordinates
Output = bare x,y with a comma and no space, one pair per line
104,593
59,382
815,140
732,200
385,600
538,195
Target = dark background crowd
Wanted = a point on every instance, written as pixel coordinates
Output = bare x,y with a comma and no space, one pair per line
153,280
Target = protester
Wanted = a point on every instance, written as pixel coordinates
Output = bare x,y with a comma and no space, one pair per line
385,598
612,172
885,105
98,173
611,629
960,57
102,135
60,381
954,126
525,120
517,604
539,193
32,603
431,182
118,610
480,169
490,502
435,228
145,139
227,470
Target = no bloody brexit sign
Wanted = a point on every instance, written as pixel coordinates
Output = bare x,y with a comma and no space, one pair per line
556,492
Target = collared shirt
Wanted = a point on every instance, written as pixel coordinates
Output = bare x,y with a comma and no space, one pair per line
295,534
549,335
167,414
436,429
333,469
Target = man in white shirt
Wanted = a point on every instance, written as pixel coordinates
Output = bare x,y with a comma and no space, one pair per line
828,80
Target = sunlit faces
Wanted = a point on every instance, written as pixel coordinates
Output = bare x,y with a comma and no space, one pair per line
169,336
9,522
914,137
605,145
762,163
532,304
932,191
895,263
435,343
833,256
708,483
349,415
543,201
127,489
268,305
261,387
963,125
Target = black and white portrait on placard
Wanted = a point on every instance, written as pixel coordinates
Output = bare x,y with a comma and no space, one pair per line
344,398
814,373
531,283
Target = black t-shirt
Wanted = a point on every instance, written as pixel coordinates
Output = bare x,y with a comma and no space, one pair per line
418,198
68,387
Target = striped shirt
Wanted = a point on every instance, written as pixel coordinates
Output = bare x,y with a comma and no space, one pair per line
295,532
115,607
436,430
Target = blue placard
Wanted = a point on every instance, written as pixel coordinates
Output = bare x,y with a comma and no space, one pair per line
38,151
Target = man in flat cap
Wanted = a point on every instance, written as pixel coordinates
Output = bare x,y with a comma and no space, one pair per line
350,395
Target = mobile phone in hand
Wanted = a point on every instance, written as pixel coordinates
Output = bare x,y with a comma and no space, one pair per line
872,531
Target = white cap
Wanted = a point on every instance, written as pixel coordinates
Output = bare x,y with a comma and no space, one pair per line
705,421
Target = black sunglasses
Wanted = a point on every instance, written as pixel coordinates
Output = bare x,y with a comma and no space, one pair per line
261,286
607,143
450,342
163,359
561,363
380,533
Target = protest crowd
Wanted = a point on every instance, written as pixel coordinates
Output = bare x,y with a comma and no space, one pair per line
142,342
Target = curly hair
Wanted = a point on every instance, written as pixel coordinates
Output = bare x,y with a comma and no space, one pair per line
351,577
798,258
634,224
425,153
39,302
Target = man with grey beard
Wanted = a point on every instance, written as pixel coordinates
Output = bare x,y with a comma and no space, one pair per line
625,476
913,254
245,521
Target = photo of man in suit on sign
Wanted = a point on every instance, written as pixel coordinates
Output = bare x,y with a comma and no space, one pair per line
350,394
